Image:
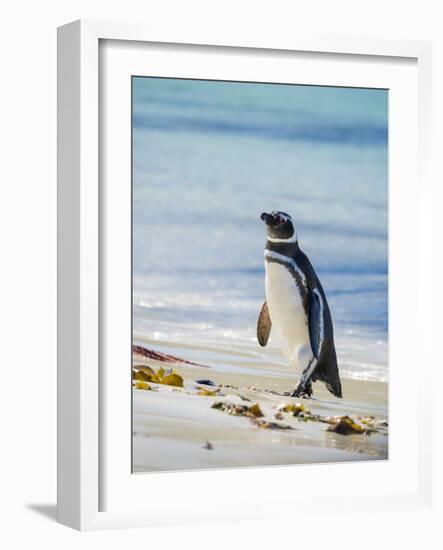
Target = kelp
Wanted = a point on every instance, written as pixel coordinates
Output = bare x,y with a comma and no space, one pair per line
207,393
238,409
345,425
291,407
141,376
142,386
144,368
298,410
147,374
164,357
172,379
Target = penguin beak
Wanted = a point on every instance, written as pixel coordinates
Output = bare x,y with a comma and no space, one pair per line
269,219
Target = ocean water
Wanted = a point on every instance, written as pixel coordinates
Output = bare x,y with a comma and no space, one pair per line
208,158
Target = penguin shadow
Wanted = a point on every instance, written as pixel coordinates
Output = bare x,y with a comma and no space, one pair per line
48,511
287,394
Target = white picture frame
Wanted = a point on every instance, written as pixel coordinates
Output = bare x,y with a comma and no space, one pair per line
83,398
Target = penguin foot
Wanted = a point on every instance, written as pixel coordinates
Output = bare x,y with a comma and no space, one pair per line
301,391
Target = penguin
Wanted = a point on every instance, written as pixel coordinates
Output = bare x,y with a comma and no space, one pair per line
297,309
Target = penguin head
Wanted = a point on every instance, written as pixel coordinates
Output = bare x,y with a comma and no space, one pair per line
279,227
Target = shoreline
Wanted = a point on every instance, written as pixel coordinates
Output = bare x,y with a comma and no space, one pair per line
179,428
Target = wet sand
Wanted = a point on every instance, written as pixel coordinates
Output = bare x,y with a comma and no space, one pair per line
175,428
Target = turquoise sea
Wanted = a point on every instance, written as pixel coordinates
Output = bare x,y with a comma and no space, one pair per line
208,158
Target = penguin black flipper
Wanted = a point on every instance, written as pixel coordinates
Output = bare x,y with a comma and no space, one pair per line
263,325
314,322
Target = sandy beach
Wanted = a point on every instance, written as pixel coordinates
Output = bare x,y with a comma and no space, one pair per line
201,425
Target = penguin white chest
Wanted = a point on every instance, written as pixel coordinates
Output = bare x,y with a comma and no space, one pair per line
288,316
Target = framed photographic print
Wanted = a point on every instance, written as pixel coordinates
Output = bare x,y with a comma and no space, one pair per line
239,272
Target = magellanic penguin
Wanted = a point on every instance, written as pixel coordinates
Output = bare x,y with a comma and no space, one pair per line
297,309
